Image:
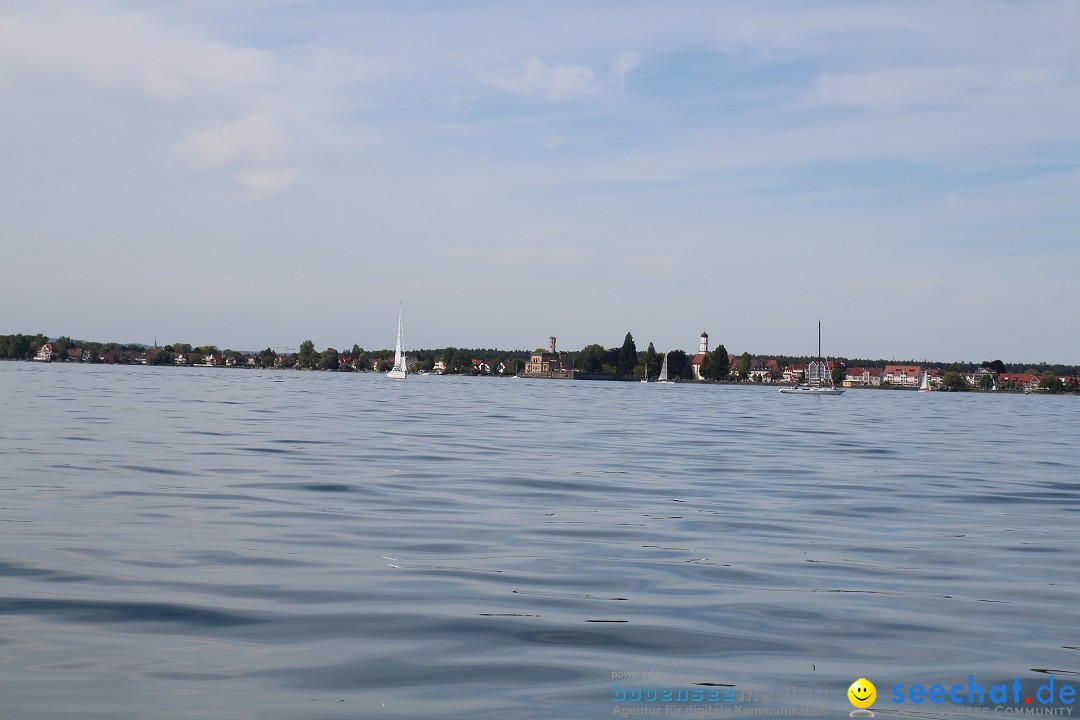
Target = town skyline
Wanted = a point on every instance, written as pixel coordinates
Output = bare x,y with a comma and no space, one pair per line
35,340
253,172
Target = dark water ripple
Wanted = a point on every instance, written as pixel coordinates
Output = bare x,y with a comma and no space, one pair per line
253,544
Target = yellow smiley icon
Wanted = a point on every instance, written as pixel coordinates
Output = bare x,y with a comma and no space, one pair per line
862,693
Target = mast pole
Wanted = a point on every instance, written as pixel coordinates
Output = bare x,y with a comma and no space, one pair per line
819,339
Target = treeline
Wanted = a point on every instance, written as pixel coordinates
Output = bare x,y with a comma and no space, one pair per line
996,365
25,347
626,362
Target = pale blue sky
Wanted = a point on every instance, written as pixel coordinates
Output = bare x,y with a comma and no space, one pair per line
257,173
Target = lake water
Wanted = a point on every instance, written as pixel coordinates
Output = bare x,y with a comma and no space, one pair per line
215,543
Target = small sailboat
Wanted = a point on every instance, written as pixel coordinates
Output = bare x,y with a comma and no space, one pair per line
924,382
646,378
399,371
663,373
820,385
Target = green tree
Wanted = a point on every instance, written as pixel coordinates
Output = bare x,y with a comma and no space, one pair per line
986,382
448,359
590,359
61,345
652,361
267,358
954,381
838,375
627,357
161,357
677,364
708,372
720,365
328,360
463,362
1051,382
308,357
19,347
744,366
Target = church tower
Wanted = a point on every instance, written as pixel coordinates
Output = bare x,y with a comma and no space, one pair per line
703,343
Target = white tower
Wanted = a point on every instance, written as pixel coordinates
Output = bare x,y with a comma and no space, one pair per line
703,343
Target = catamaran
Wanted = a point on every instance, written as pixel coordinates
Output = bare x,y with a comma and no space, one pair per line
820,385
398,372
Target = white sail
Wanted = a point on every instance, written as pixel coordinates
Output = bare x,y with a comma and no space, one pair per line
399,372
663,370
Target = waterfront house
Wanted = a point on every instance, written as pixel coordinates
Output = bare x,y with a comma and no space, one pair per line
901,375
1024,381
794,374
862,377
975,379
45,353
818,372
764,370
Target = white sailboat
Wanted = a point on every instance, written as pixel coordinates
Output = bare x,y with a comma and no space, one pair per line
399,371
824,385
924,382
663,373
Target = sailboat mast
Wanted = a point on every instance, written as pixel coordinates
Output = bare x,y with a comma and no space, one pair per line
399,351
819,339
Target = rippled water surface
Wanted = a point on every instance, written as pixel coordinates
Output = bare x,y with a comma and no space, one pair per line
183,542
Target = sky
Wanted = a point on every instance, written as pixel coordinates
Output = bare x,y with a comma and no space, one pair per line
256,173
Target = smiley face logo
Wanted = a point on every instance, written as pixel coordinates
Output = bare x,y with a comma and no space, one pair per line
862,693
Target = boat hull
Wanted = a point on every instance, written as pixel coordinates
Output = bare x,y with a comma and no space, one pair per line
396,374
811,391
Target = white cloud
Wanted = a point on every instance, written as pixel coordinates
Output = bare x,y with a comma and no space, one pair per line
892,89
265,184
131,52
254,137
553,82
623,66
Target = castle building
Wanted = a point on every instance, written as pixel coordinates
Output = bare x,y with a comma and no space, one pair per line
547,364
